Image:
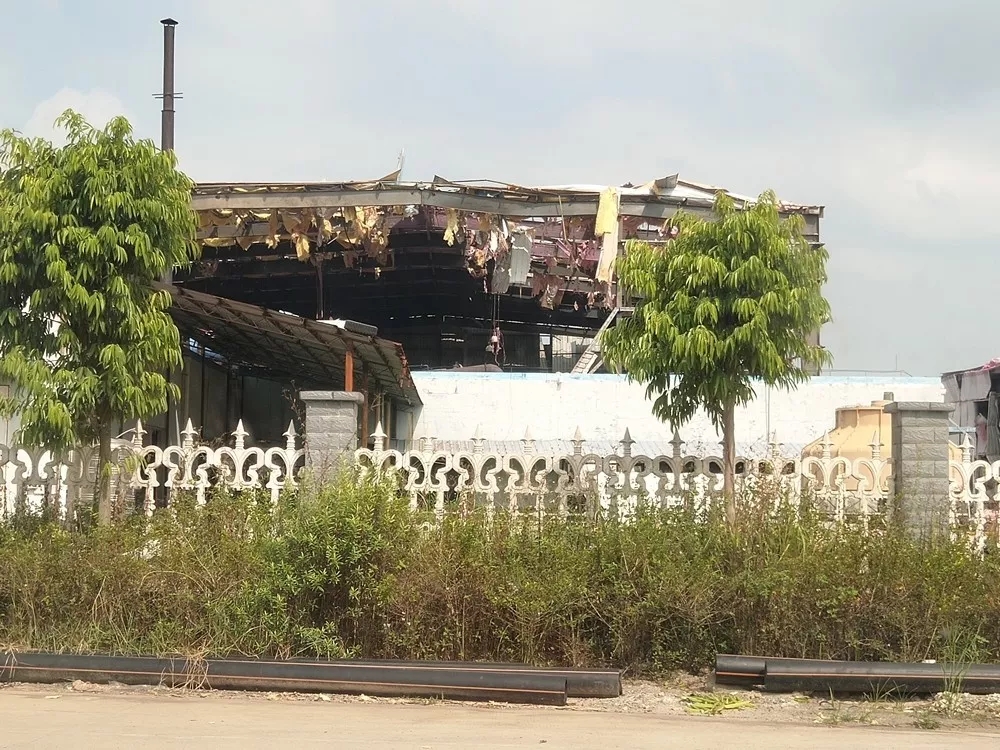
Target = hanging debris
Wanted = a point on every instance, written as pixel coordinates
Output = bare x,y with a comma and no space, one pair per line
558,243
451,226
301,242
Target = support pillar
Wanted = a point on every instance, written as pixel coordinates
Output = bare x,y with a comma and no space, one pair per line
331,429
920,465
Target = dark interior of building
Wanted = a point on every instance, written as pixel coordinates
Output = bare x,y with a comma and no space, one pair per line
424,297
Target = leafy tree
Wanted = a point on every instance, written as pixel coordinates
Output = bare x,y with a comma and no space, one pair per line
85,230
726,304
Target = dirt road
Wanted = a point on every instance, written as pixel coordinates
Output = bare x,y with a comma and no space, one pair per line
31,718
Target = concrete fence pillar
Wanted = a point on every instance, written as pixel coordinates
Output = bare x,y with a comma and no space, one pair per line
920,465
331,428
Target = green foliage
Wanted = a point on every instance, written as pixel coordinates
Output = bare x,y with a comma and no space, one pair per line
345,570
85,230
333,560
724,304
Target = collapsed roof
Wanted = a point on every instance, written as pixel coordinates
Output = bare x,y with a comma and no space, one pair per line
559,231
413,255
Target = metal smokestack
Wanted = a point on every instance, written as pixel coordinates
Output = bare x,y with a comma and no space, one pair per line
167,124
167,144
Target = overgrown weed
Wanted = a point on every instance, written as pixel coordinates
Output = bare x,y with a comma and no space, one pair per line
345,569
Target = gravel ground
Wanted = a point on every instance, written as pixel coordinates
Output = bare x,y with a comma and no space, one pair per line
667,698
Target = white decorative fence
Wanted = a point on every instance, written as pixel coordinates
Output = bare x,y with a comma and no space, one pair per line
145,475
536,480
528,479
975,501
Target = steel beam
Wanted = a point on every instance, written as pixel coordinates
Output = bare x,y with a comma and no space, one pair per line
502,206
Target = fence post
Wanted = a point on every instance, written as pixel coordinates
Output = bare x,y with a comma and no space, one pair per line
331,430
920,465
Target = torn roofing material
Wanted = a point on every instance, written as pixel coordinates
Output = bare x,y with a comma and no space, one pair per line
405,256
307,352
993,364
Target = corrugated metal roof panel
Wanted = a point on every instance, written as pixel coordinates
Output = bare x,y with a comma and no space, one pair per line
287,345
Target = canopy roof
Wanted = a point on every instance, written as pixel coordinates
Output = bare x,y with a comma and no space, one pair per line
276,344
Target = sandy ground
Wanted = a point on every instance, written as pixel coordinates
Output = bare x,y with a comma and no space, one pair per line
647,715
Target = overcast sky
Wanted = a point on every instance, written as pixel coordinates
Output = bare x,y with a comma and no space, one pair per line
887,112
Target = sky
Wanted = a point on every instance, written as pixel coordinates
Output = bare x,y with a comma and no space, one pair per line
886,112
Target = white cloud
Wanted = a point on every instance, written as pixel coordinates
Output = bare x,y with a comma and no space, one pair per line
97,105
920,180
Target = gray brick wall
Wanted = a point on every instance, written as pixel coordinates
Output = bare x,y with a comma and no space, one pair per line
920,465
331,428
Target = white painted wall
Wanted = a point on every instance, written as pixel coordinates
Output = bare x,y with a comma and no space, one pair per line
8,426
554,405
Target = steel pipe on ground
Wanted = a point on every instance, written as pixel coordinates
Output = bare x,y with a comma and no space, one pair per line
377,680
741,671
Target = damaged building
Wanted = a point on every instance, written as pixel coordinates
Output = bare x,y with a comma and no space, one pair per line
351,286
462,274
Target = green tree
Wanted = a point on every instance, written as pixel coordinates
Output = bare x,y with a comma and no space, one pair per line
726,304
86,229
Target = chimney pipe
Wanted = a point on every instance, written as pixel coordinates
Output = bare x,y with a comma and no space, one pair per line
167,144
167,123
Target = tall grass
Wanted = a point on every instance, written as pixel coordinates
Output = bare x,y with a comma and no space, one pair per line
346,570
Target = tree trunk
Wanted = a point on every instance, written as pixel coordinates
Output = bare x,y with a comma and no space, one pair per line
729,460
104,475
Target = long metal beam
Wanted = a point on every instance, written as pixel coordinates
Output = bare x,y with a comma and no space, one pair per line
537,686
426,197
343,198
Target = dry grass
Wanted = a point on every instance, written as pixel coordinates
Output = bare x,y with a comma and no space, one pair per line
347,570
